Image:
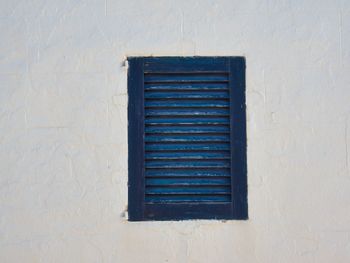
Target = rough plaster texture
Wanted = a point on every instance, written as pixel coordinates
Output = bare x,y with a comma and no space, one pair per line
63,129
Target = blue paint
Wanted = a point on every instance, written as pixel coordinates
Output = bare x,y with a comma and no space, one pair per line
187,104
187,87
188,190
185,64
187,155
238,138
187,181
187,129
190,138
188,164
186,95
187,147
189,121
186,78
187,138
136,171
153,199
188,173
187,112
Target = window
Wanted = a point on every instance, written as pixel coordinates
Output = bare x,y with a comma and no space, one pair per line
187,138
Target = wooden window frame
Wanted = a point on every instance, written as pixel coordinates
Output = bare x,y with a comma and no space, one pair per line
139,210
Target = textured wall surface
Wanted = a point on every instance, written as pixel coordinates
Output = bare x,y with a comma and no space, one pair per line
63,129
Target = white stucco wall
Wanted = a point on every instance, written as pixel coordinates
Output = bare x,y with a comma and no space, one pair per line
63,129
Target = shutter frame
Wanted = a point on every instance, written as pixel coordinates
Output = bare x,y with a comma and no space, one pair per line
136,179
138,209
238,137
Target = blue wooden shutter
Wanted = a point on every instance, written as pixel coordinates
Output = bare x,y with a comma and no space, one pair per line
187,138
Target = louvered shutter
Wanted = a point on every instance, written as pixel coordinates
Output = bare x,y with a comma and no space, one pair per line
187,138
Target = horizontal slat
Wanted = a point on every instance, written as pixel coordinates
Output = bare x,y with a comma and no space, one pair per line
189,103
187,181
187,198
190,121
187,112
183,78
187,164
188,173
187,129
187,138
186,95
187,86
187,147
209,190
185,64
187,155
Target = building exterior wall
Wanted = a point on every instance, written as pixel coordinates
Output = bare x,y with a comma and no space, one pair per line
63,129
